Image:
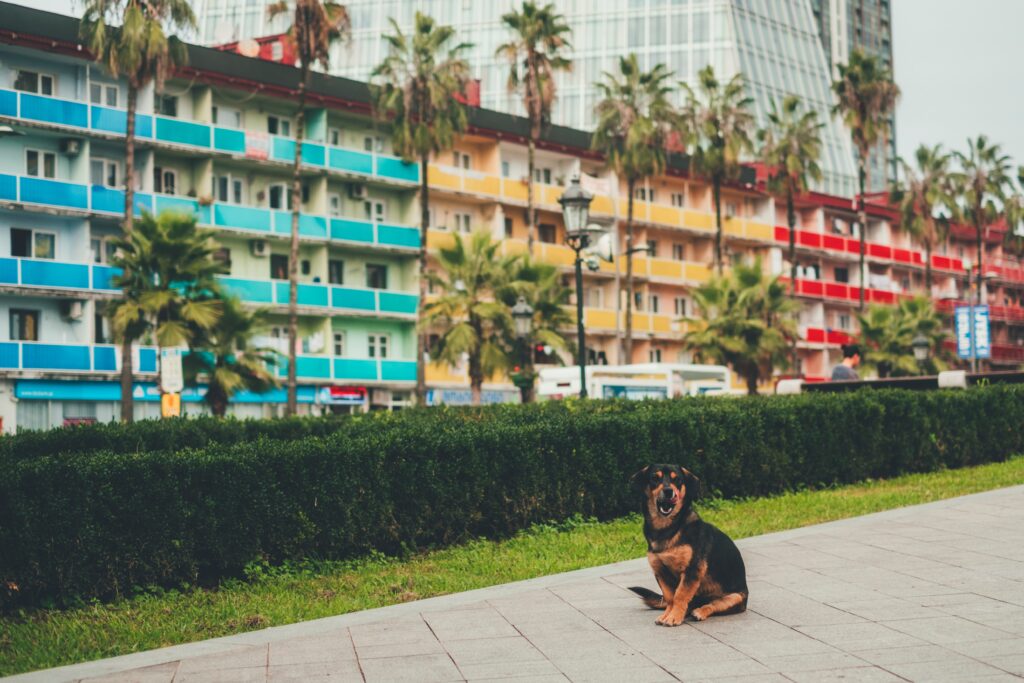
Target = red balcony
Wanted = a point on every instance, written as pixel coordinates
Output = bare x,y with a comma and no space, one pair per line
817,335
851,245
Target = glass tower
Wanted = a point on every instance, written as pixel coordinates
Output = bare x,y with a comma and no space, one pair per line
775,44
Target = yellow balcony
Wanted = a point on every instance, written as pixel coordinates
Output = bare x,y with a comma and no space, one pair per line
698,221
666,268
641,321
666,215
697,272
437,177
760,231
513,189
555,254
439,239
661,323
482,184
602,204
596,318
510,247
732,226
444,373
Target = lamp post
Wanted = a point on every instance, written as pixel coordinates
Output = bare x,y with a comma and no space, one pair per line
575,203
921,348
522,318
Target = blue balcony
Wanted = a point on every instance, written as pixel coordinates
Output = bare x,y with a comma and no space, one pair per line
398,236
229,140
306,295
8,103
351,230
182,132
255,291
351,160
103,277
390,167
115,121
355,369
354,299
242,217
53,192
85,358
397,302
27,272
398,370
9,187
309,226
326,368
53,110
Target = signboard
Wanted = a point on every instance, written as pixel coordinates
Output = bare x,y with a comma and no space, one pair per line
97,390
632,393
343,396
257,145
976,331
172,380
170,405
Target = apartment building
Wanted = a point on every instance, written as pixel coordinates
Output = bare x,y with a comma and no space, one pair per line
218,142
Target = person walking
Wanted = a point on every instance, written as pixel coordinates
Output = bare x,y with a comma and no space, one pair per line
846,371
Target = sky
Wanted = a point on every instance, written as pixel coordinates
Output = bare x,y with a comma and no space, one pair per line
956,62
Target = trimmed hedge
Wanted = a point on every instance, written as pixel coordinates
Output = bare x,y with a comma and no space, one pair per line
100,524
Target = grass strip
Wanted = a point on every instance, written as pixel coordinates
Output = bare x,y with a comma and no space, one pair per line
273,596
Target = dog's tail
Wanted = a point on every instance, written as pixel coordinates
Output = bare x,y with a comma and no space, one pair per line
650,598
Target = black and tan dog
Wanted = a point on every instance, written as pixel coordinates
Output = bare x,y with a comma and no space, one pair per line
696,565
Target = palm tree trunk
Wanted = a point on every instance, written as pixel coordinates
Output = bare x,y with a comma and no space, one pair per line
716,188
476,372
791,221
928,267
127,400
862,216
531,228
217,399
751,377
979,232
627,342
421,337
293,254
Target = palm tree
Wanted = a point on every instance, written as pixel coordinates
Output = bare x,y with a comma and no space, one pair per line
745,320
141,51
924,191
981,187
414,90
866,99
887,334
717,125
475,323
315,26
168,270
634,118
541,286
540,34
225,357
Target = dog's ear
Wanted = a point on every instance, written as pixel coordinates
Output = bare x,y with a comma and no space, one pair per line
693,485
638,478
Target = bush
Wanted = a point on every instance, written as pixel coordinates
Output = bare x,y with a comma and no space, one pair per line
102,523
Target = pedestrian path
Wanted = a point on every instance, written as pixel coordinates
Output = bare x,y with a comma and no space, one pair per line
928,593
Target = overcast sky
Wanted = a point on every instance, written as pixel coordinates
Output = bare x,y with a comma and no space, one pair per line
957,62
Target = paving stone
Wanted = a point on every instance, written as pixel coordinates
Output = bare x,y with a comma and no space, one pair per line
161,673
339,670
945,630
484,622
414,669
247,675
867,674
510,649
949,669
864,636
817,662
391,631
544,678
490,670
401,649
327,648
1013,663
234,659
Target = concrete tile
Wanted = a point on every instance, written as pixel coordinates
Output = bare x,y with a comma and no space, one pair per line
887,609
816,662
401,649
161,673
960,669
510,649
492,670
327,648
1013,663
634,673
868,674
248,675
414,669
234,659
904,655
983,649
391,631
865,636
484,622
945,630
339,670
543,678
735,666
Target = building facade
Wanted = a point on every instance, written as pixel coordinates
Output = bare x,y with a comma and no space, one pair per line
217,142
775,45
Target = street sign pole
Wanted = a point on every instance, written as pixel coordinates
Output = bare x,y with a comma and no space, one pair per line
974,346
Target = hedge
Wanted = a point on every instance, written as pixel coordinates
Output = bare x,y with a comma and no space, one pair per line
101,524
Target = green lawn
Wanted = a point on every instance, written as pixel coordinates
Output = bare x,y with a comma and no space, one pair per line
272,597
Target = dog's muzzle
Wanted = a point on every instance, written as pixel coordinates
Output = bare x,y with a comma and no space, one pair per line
666,503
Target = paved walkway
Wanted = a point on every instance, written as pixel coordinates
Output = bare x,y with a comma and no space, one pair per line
929,593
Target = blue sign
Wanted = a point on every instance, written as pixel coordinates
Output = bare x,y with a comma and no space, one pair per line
98,390
976,334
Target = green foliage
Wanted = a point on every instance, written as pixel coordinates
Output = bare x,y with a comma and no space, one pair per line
226,359
746,321
866,97
926,189
315,26
102,523
887,334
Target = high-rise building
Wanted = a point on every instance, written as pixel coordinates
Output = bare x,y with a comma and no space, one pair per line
865,25
774,44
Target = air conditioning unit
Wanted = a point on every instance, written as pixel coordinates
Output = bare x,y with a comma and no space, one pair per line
357,191
71,310
71,146
259,248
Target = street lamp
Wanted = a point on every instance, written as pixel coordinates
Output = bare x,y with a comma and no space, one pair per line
522,319
921,348
522,316
575,203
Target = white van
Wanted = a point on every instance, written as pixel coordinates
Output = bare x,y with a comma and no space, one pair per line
639,381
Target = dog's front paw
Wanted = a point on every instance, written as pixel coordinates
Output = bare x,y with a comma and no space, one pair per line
670,619
700,614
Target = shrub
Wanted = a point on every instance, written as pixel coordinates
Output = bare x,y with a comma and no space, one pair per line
101,523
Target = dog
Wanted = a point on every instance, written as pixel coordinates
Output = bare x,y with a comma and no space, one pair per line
697,566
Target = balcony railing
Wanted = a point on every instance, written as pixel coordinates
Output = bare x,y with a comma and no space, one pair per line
818,335
809,239
327,297
201,136
329,368
841,291
49,274
259,221
90,358
1012,314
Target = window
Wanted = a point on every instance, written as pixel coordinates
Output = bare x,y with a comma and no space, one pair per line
33,243
376,276
378,345
593,297
508,227
678,199
542,175
374,210
680,306
463,223
506,169
24,324
278,267
165,180
334,137
842,274
104,172
373,144
99,333
277,51
654,303
278,125
227,116
334,201
40,164
638,301
546,233
730,209
227,189
905,283
679,252
844,321
336,272
103,250
223,257
35,82
652,247
339,343
654,355
462,160
278,197
644,194
166,105
305,266
101,93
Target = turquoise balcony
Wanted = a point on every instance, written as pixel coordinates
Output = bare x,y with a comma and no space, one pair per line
306,294
353,299
311,295
20,355
44,273
53,192
328,369
397,302
182,132
242,217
